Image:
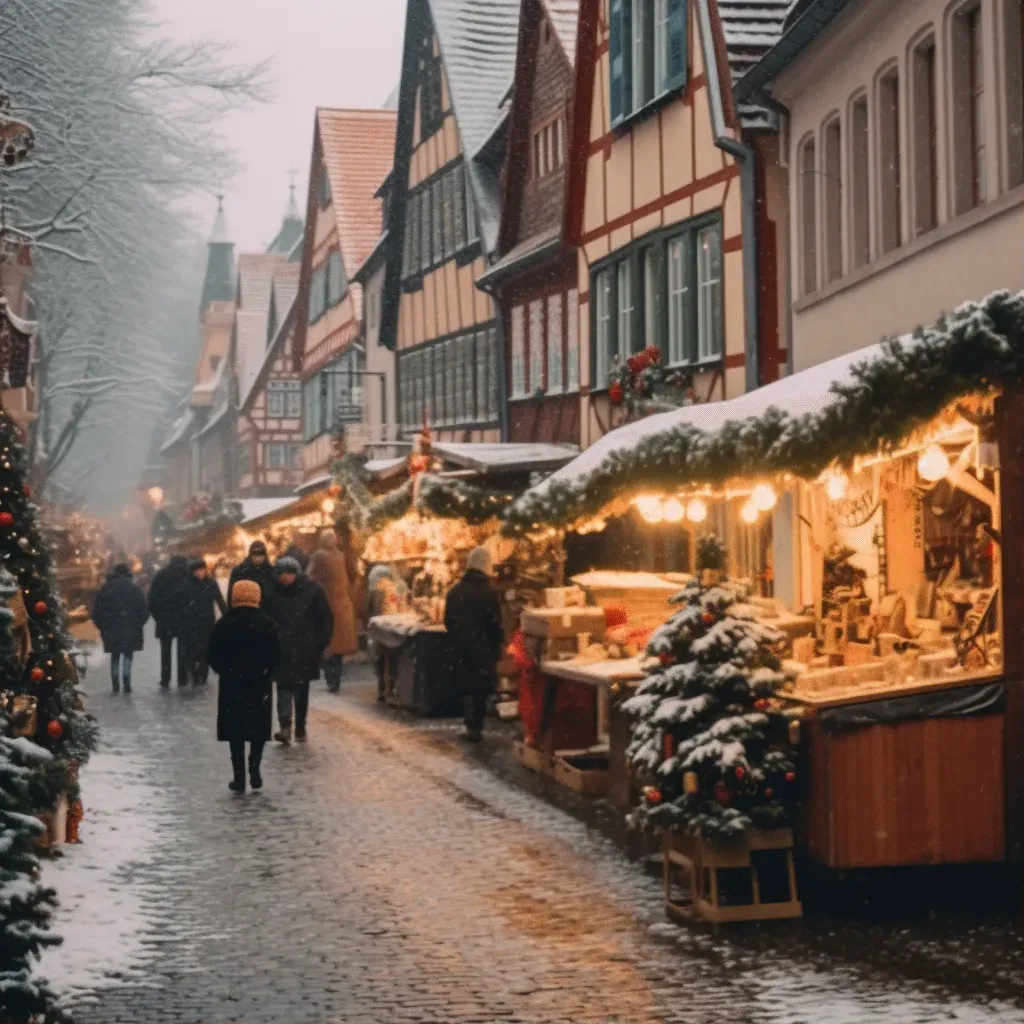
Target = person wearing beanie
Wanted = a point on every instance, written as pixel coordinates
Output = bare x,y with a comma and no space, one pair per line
472,617
305,623
119,613
244,651
256,567
167,604
203,598
332,568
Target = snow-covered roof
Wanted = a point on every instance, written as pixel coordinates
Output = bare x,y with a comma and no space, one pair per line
323,480
752,28
180,429
505,457
383,468
257,508
565,17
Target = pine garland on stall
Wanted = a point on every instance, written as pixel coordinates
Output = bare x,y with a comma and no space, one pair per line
707,739
25,904
62,727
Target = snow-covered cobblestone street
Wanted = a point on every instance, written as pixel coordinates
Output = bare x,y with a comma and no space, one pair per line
383,877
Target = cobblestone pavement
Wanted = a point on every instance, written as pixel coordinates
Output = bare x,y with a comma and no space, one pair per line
382,878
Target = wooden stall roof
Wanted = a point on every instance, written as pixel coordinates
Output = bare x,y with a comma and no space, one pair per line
506,458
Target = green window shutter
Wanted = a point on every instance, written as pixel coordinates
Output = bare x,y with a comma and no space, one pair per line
676,63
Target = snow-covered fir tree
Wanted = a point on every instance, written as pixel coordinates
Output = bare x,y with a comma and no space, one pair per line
25,903
708,740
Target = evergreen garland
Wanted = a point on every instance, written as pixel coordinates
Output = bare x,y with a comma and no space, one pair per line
979,346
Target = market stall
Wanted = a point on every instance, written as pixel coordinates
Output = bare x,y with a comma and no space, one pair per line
870,510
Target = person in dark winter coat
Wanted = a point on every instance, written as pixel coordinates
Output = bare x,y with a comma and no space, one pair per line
256,567
203,598
167,605
300,556
472,617
119,613
244,651
304,620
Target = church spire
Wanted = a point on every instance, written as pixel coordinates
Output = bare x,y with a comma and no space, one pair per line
291,227
219,234
219,282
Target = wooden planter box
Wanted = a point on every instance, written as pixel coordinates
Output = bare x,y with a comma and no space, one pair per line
582,771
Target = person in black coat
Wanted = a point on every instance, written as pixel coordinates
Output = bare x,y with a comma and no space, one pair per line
472,617
244,651
119,613
203,598
255,567
300,556
167,604
305,622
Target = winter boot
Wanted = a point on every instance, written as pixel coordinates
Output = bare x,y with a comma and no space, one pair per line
237,784
283,735
255,778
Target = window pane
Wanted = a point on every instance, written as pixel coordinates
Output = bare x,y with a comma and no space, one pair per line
1013,32
660,46
808,216
425,229
572,331
493,380
536,346
293,407
654,316
638,62
602,328
860,248
438,357
554,343
924,127
680,273
709,288
459,202
437,217
627,309
469,378
449,215
518,351
449,382
832,185
889,160
456,371
481,376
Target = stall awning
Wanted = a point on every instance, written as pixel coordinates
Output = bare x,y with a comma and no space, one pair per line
506,458
857,404
256,509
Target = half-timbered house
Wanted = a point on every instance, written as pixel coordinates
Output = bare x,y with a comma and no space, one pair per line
535,275
443,221
666,189
351,157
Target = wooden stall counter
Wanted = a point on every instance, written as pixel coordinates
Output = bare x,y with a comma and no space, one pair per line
415,664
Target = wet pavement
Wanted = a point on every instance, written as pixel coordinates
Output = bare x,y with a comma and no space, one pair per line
384,875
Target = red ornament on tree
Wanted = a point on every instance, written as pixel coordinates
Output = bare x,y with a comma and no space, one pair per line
722,794
27,490
707,618
54,729
791,776
6,519
38,675
652,794
39,607
665,659
740,772
616,394
769,793
334,490
761,703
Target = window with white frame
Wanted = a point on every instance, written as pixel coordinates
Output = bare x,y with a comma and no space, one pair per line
555,344
808,167
626,302
604,327
547,149
494,376
518,350
709,292
968,80
647,51
680,302
890,185
284,399
335,279
572,343
282,455
536,346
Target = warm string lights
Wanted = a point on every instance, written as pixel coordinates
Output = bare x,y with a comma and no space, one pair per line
673,509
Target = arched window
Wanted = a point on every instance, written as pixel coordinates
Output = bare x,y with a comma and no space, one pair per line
832,189
890,183
860,184
808,167
1013,12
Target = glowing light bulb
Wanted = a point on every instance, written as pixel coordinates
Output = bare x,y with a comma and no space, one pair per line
673,510
933,463
649,506
764,497
835,487
749,513
696,511
328,505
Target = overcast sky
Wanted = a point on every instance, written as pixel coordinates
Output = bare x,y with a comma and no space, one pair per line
341,53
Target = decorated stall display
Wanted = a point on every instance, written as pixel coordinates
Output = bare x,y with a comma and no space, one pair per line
78,544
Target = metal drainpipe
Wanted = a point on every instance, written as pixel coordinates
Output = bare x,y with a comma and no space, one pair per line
748,195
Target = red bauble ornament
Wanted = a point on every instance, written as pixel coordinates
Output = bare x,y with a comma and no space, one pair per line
334,490
761,703
54,729
707,618
27,490
615,393
38,675
652,794
668,745
722,794
740,771
40,607
791,776
665,659
769,793
6,519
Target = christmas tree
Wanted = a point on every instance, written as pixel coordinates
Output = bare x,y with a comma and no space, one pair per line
708,739
25,904
48,674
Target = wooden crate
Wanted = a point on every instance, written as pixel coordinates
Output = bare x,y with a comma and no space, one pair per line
563,622
533,758
582,771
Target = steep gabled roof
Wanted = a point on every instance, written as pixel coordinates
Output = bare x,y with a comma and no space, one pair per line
565,17
357,147
273,351
219,280
256,276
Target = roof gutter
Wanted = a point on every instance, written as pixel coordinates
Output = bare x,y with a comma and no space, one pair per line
748,195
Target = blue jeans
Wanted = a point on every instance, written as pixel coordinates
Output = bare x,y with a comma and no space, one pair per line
121,670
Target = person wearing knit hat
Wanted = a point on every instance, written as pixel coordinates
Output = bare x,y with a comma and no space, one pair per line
256,567
472,617
244,651
304,621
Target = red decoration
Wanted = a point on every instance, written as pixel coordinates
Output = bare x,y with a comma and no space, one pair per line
665,659
668,746
652,794
615,615
707,618
761,703
334,490
722,794
40,607
769,793
38,675
616,394
54,729
6,519
27,490
791,776
740,772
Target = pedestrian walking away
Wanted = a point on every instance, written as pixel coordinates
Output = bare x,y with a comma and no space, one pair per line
472,617
167,604
305,624
294,551
333,570
119,613
256,567
203,598
244,651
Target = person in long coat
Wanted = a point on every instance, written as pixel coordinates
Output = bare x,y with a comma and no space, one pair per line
330,567
256,567
119,613
244,651
167,605
472,617
202,601
304,620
